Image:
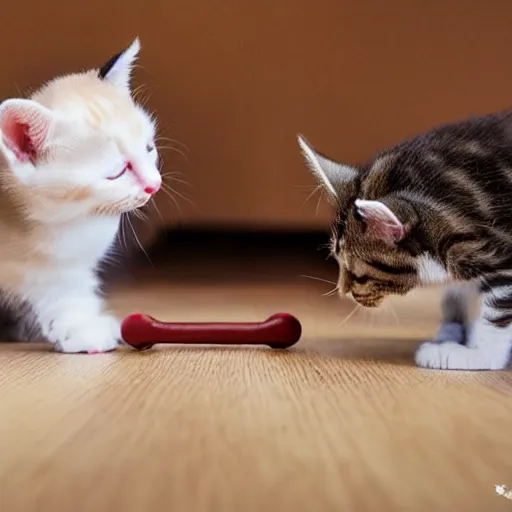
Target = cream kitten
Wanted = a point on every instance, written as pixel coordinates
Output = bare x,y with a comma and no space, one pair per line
74,157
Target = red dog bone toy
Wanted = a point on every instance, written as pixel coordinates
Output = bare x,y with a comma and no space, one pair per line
279,331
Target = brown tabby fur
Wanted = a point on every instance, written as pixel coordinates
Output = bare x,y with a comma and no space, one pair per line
451,188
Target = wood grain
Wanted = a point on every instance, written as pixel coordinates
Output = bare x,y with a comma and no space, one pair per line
342,422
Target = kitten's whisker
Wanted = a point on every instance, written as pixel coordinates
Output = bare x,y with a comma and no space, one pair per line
349,316
320,197
173,199
319,279
173,175
122,231
141,90
167,187
171,141
331,293
140,214
310,195
138,241
153,203
174,149
170,148
182,181
393,312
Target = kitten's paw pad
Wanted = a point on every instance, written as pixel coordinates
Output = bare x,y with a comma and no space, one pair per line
453,356
101,334
451,332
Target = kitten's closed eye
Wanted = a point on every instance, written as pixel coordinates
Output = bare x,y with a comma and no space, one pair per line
360,279
150,148
352,278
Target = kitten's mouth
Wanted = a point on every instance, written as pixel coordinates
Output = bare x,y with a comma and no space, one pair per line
369,302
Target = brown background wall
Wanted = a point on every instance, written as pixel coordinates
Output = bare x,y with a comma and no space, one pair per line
235,81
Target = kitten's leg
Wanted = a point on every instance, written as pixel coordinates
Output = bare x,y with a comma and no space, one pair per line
16,319
489,343
8,326
71,313
455,320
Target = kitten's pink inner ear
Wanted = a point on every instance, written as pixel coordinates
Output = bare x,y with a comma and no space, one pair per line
381,222
25,132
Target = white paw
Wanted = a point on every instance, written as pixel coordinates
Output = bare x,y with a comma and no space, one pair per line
97,334
453,356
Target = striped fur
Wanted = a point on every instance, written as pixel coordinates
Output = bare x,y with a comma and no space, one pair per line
433,209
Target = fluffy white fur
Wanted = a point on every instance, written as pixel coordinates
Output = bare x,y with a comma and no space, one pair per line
73,158
431,271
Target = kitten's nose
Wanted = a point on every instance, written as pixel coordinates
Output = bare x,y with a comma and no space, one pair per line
153,186
152,189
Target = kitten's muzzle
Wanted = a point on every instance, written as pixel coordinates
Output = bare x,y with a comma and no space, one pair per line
151,186
150,182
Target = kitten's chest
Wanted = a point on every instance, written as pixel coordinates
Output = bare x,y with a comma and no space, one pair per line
85,242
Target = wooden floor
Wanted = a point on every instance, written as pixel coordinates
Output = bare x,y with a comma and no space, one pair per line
341,422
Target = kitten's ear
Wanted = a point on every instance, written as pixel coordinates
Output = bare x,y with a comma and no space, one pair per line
331,174
118,69
26,126
381,222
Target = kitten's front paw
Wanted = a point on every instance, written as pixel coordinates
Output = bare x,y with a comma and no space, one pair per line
453,356
99,334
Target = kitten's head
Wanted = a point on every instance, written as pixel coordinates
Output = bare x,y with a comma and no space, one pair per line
80,145
373,237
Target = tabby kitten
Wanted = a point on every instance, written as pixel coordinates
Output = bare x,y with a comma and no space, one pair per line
436,209
74,157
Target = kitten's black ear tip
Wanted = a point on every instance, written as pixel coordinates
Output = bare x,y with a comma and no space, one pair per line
103,72
131,52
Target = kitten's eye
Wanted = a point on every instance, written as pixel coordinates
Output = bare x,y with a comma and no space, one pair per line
361,279
127,167
150,148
